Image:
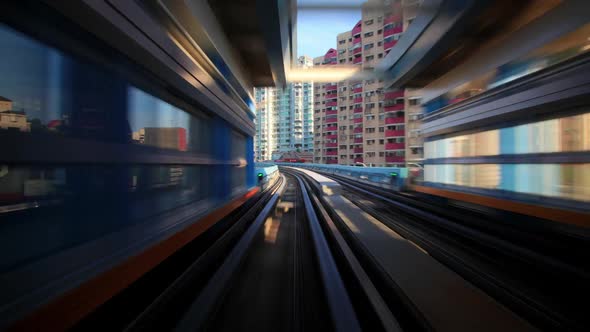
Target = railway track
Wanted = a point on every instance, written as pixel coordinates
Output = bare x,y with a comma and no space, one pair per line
521,275
274,265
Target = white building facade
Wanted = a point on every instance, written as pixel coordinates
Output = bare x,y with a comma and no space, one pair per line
284,118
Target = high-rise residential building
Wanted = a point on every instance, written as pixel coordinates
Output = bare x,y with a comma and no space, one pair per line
413,108
284,118
360,121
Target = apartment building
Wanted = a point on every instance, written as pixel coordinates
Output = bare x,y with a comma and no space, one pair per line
360,121
284,118
413,107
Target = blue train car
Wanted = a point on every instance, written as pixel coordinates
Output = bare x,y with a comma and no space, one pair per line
124,136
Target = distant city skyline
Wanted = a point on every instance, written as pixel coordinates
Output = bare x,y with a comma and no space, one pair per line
317,28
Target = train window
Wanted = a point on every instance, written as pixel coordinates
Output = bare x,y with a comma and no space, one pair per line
569,181
568,134
565,47
47,92
71,204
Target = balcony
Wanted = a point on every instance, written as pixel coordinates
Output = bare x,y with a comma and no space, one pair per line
388,45
357,90
331,145
331,136
358,150
329,87
332,112
357,50
331,153
332,120
356,41
357,120
394,133
332,161
400,119
393,94
357,60
357,29
392,18
358,160
357,100
358,130
395,159
395,146
396,107
330,61
358,140
391,32
331,103
331,96
358,110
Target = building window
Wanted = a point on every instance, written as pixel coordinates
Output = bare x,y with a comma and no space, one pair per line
369,22
379,31
380,55
369,130
369,58
342,41
381,129
368,34
414,101
379,43
369,46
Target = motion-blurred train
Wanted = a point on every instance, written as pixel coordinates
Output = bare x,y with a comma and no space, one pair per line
126,132
506,103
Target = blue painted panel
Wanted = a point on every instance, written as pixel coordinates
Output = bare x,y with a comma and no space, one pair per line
250,173
221,151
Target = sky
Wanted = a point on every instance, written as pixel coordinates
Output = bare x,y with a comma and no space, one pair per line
317,28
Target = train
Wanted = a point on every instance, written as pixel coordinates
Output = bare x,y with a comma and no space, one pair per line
506,120
129,132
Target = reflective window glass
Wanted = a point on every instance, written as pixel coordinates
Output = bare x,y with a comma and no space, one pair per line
45,91
570,181
563,48
568,134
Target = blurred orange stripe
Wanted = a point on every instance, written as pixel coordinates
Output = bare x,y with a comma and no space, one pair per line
559,215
